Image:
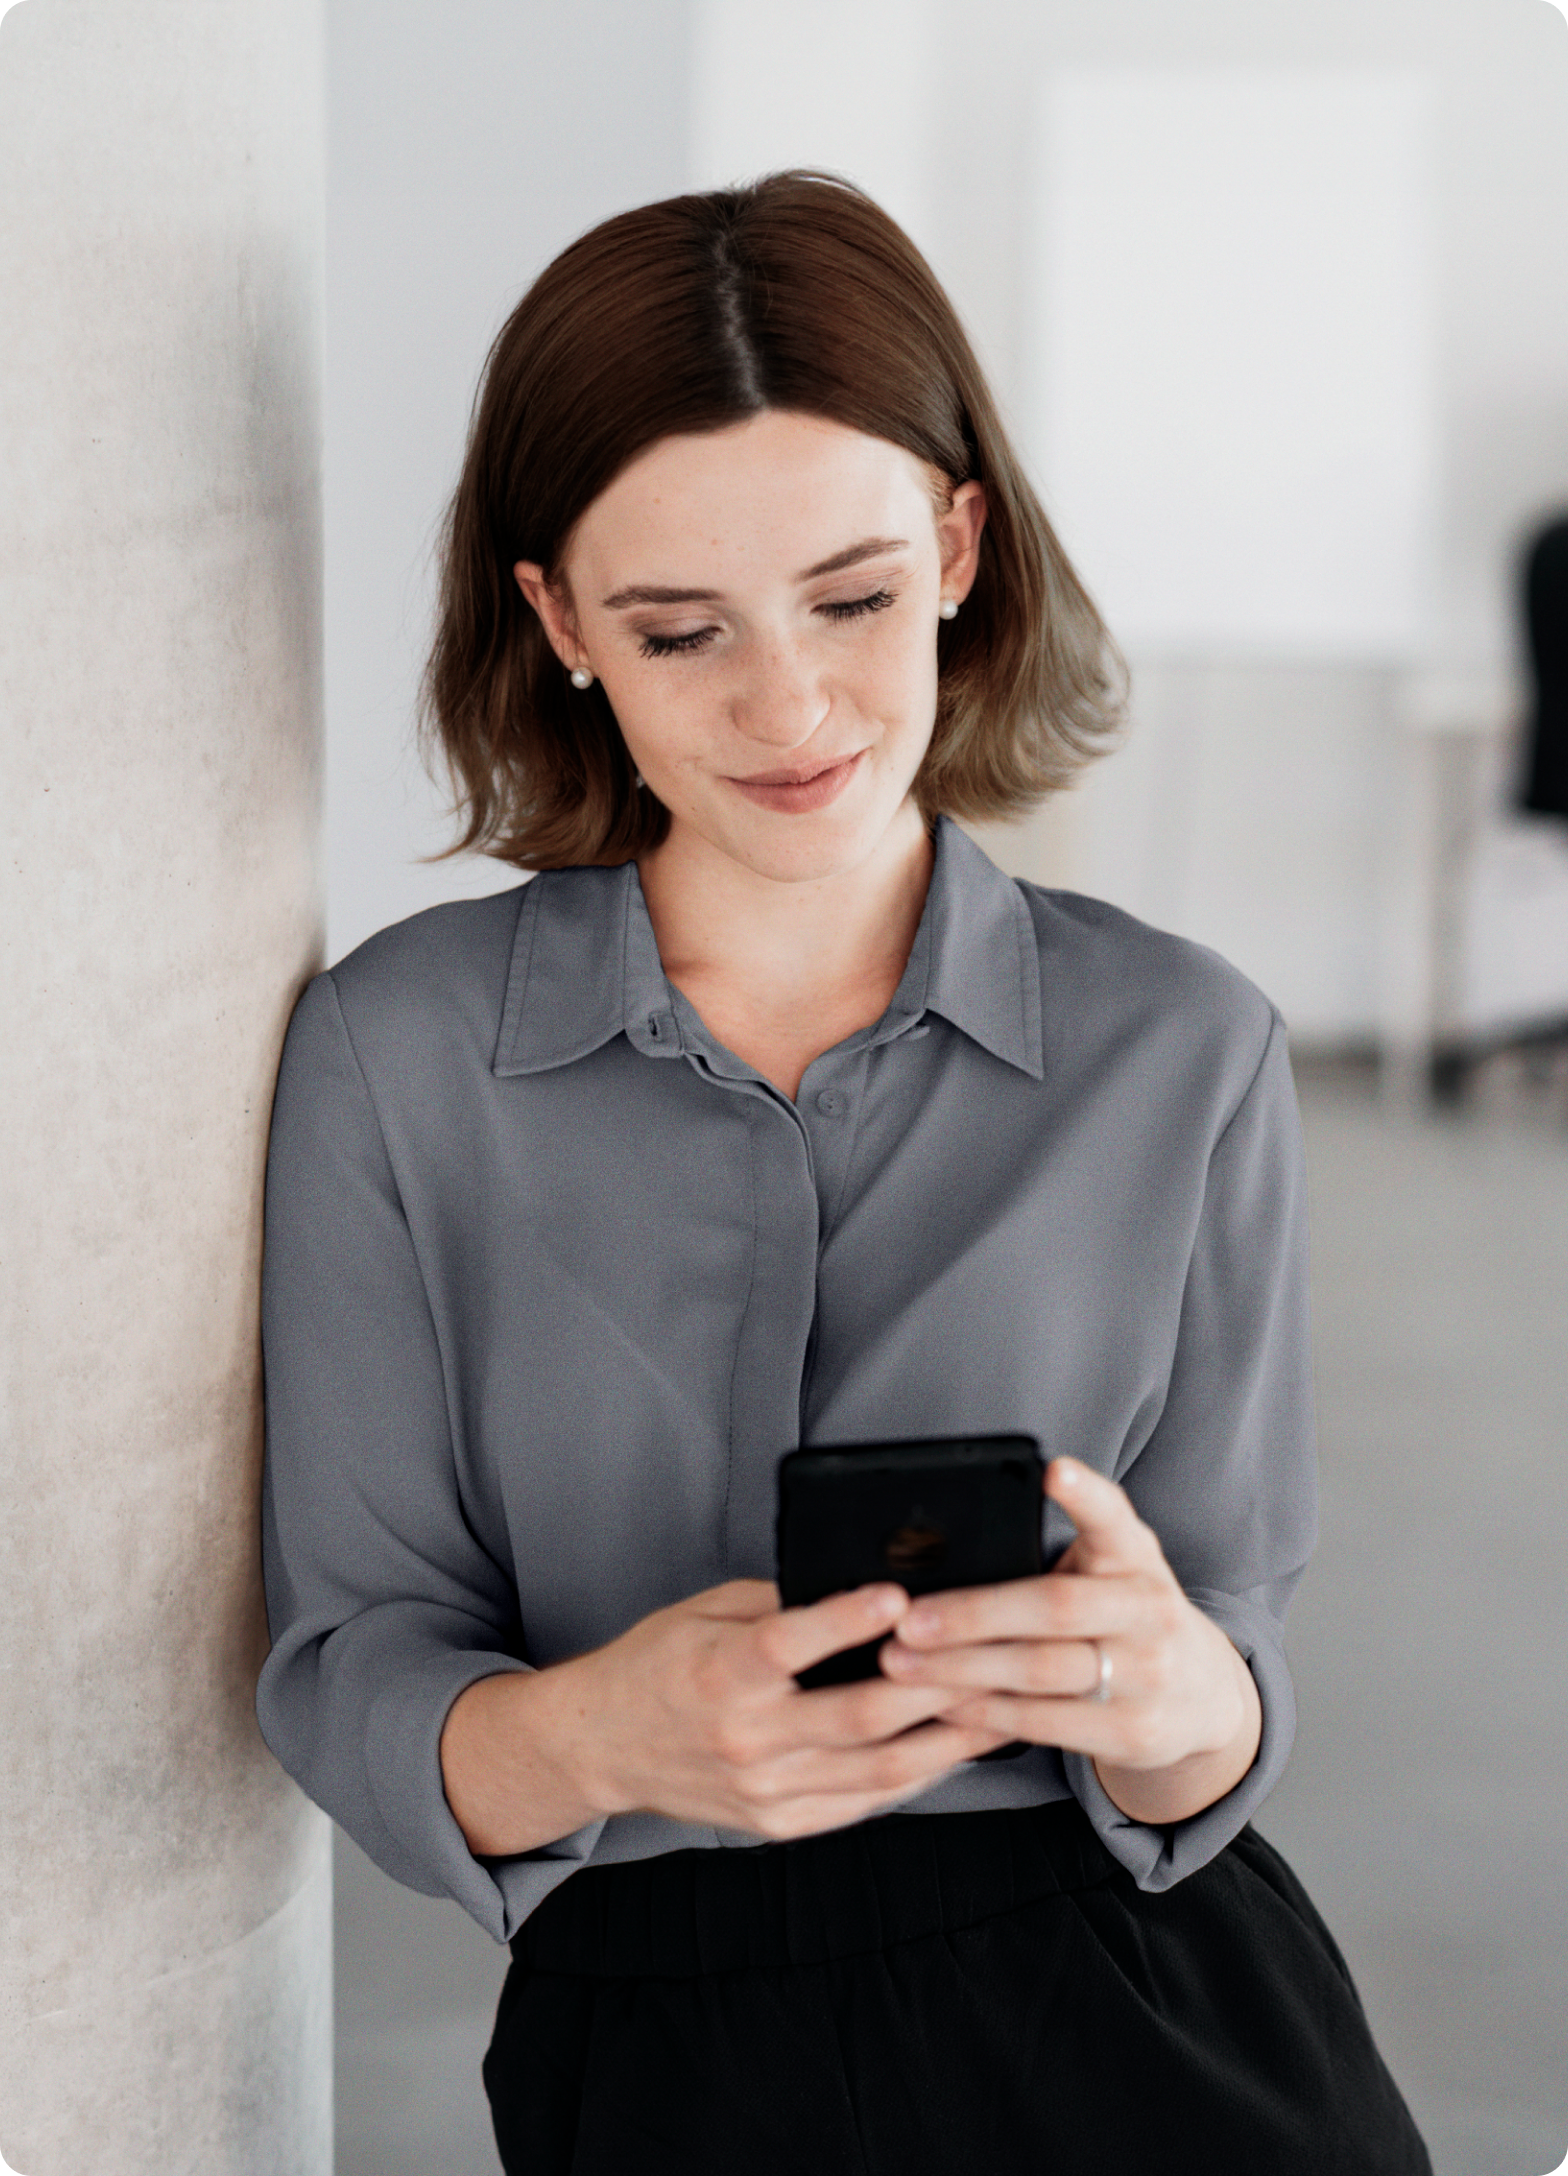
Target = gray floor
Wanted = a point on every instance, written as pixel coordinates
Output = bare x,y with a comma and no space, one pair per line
1424,1806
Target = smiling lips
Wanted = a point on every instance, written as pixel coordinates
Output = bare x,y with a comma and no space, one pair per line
798,792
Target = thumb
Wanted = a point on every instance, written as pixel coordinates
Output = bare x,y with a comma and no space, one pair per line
1111,1537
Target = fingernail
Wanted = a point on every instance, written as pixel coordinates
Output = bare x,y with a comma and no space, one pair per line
1066,1472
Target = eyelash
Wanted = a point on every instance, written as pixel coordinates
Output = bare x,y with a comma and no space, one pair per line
851,608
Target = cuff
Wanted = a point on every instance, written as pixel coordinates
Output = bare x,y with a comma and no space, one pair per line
404,1759
1157,1858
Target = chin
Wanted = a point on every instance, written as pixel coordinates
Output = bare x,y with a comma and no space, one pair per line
804,849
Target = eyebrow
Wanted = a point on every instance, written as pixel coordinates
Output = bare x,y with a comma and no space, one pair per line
871,547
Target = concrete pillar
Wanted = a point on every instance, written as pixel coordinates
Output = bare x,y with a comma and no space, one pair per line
165,1902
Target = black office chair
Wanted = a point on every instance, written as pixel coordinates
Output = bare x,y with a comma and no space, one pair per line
1545,780
1542,787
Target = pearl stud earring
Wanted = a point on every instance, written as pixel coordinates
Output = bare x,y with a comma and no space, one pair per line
581,677
947,609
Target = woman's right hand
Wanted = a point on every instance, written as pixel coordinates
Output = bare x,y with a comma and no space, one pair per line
694,1713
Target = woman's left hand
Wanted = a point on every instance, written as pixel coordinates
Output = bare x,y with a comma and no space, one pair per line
1181,1719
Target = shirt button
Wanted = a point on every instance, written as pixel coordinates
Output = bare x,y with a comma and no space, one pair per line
830,1102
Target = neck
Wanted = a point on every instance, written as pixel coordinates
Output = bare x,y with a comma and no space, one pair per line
753,952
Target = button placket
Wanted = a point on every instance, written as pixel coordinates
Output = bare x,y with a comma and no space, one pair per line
776,1324
831,1115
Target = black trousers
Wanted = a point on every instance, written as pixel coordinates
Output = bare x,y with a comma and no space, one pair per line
930,1994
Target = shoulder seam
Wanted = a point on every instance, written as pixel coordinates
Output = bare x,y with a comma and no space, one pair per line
370,1093
1276,1025
517,974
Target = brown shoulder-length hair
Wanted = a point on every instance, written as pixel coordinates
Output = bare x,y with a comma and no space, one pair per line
796,292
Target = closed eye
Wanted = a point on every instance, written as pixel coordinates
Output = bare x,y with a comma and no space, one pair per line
845,608
850,608
674,645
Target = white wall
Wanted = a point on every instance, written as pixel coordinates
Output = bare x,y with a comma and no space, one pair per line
466,146
853,88
1500,70
1230,371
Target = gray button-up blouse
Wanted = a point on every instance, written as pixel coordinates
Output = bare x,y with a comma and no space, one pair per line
552,1280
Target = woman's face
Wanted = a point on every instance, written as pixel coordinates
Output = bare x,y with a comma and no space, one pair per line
760,604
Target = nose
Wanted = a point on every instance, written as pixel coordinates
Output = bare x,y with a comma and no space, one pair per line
781,700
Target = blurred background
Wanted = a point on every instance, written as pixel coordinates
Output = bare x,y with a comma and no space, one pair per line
1276,302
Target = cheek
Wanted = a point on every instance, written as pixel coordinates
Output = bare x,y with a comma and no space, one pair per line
656,724
897,677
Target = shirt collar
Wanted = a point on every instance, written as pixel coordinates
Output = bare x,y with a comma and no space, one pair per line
984,960
585,966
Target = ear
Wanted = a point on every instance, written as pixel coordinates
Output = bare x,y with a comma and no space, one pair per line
958,537
554,607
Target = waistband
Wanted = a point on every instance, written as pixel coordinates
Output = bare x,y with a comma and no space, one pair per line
848,1893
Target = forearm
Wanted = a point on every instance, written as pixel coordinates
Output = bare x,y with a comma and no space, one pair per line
1185,1787
505,1761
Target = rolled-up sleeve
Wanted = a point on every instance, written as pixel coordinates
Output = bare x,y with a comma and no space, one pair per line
382,1602
1227,1476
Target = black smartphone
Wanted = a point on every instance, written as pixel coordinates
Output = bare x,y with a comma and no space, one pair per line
947,1511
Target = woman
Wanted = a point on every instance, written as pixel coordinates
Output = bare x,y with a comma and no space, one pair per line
773,1112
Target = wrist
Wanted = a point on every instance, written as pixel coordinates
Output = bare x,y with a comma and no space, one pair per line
1211,1766
573,1737
507,1763
1236,1713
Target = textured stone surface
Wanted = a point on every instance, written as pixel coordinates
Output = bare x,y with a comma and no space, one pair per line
165,1975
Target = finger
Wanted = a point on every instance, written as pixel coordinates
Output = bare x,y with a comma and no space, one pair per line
1067,1669
907,1765
902,1767
866,1713
1055,1606
815,1814
792,1640
1070,1725
741,1599
1111,1536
